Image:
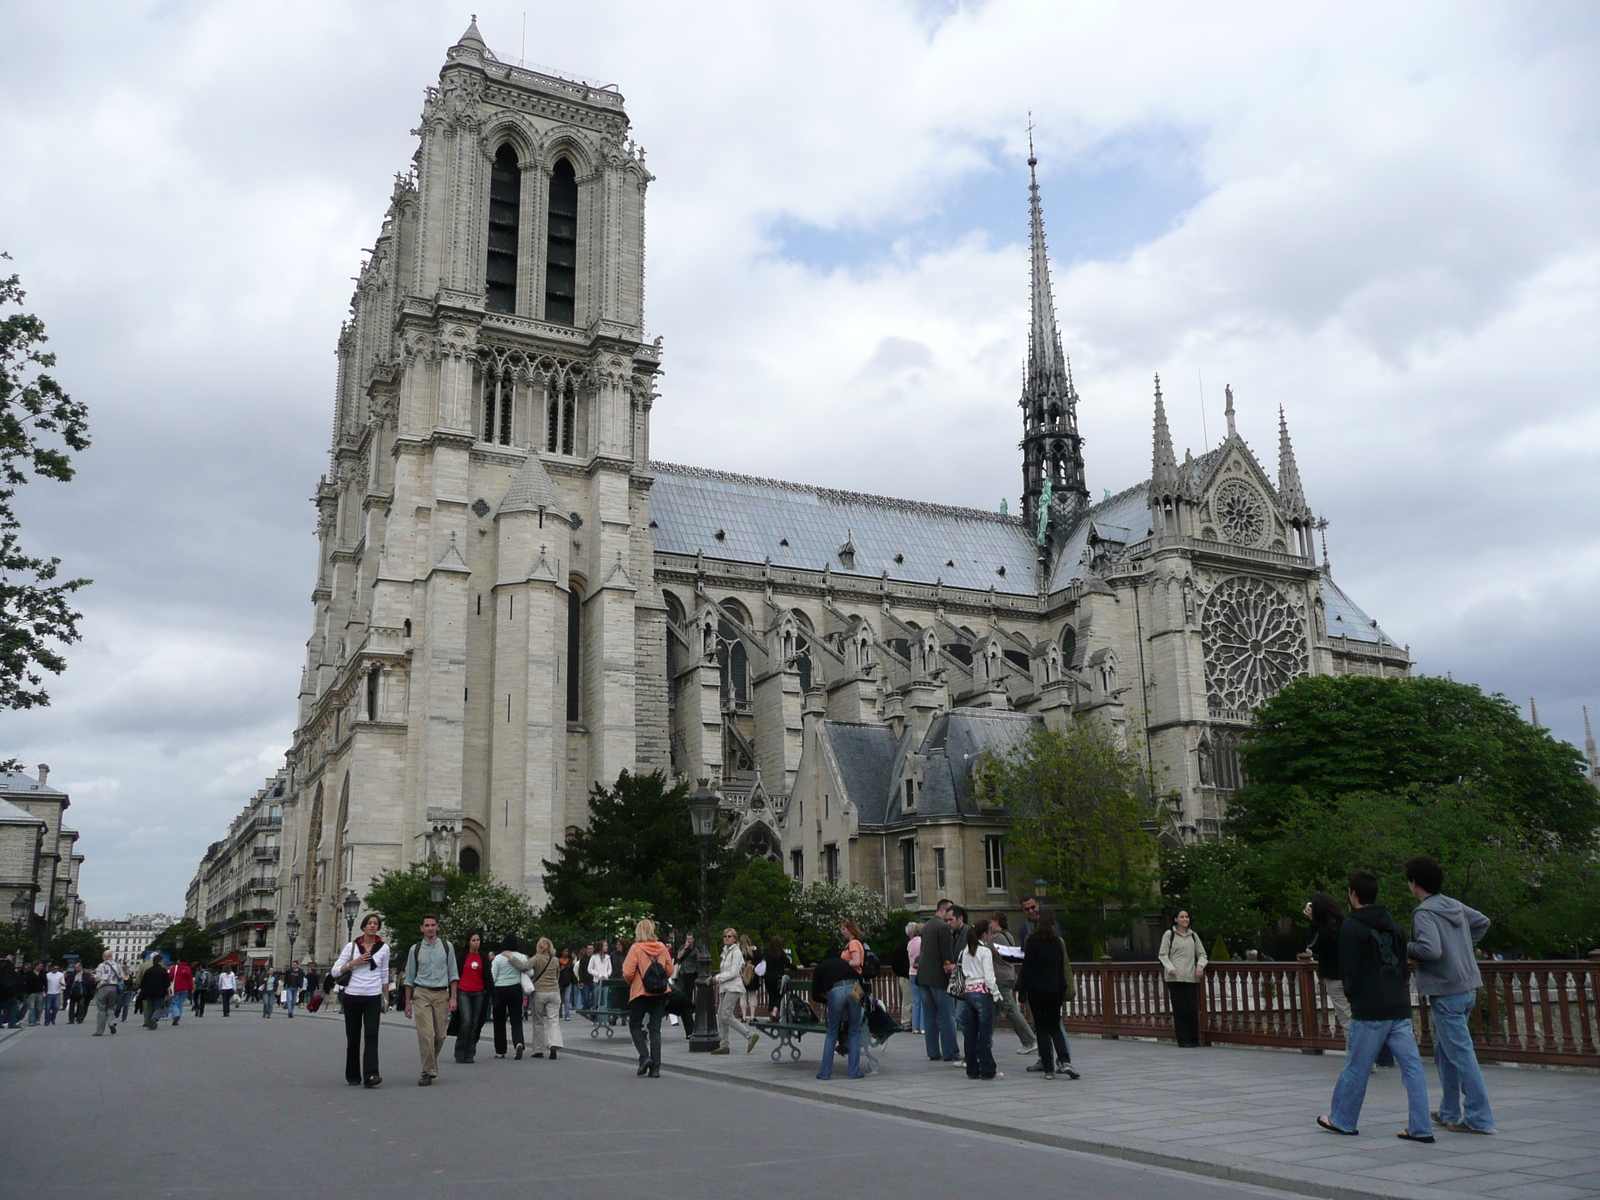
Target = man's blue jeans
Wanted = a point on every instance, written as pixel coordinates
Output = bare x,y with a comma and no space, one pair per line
939,1023
1457,1061
1362,1043
52,1005
291,995
35,1007
844,1016
175,1005
916,1004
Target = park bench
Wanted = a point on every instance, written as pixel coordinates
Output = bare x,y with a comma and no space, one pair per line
798,1016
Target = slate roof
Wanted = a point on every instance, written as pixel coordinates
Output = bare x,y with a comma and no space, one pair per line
1125,515
1346,618
531,490
14,782
866,755
10,814
951,748
965,547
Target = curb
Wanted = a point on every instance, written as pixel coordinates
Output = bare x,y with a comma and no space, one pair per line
1326,1185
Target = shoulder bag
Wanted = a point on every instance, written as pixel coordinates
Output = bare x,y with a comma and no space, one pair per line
957,986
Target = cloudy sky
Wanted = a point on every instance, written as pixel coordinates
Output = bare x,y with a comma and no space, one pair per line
1382,217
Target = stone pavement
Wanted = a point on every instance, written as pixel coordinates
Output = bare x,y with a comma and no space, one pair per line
1227,1112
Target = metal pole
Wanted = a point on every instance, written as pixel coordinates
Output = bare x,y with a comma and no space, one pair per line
704,1038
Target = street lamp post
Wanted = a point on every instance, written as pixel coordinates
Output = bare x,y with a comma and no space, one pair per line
352,909
436,888
703,805
177,942
292,925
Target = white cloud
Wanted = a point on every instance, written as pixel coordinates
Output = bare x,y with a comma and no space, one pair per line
1381,217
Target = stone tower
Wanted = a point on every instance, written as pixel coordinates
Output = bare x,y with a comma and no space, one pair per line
488,639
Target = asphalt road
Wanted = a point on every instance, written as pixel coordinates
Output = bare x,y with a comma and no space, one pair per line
248,1108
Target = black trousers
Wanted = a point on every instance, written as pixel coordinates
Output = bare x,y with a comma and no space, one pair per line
651,1009
361,1015
227,999
507,1004
1045,1008
470,1013
1185,1012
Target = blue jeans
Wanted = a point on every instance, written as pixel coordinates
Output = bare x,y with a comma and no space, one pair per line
175,1005
293,994
52,1005
976,1019
939,1023
35,1007
266,1001
1453,1054
844,1016
1362,1043
916,1004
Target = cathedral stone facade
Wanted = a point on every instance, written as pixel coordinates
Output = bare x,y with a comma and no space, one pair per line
514,602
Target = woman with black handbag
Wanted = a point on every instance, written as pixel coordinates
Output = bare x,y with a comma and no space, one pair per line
1046,977
361,970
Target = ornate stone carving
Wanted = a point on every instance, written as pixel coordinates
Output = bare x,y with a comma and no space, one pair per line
1241,513
1254,643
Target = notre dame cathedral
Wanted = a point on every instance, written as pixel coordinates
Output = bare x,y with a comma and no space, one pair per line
513,601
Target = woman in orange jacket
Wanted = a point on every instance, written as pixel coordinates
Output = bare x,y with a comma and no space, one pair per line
647,994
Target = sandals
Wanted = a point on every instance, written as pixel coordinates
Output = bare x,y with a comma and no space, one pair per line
1405,1135
1332,1128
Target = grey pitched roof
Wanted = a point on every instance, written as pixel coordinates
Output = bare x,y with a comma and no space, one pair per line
16,782
866,755
1124,518
965,547
1345,617
10,814
531,490
951,748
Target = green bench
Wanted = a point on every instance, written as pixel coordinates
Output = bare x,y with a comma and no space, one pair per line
612,1008
797,1016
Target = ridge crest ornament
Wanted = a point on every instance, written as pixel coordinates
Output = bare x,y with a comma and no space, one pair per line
1241,513
1254,643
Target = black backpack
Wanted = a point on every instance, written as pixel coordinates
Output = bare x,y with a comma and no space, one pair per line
655,979
869,963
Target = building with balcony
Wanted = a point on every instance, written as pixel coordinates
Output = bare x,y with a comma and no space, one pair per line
235,892
39,860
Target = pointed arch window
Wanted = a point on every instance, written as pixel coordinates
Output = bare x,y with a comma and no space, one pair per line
505,211
561,418
499,405
561,259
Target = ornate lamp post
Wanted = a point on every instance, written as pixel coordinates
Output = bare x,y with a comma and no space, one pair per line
703,805
177,942
352,910
293,926
436,889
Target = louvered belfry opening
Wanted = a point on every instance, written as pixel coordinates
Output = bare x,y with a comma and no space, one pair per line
505,203
561,263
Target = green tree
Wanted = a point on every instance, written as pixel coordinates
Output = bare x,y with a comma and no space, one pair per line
820,907
15,939
1077,813
638,847
760,903
1326,736
402,897
85,943
39,424
1215,883
196,941
487,907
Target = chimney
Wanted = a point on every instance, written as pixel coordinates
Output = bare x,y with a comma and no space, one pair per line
44,774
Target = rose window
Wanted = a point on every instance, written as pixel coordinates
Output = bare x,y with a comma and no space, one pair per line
1241,512
1254,643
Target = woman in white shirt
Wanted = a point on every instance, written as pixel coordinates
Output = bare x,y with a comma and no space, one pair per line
367,961
227,985
975,1017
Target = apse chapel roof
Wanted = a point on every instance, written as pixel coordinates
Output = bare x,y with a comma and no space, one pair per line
865,753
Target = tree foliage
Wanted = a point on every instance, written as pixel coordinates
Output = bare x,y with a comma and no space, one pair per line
402,898
1324,737
40,424
485,907
196,941
638,847
1077,822
84,943
760,903
820,907
16,939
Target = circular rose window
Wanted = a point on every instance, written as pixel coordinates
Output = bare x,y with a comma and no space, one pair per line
1240,512
1254,643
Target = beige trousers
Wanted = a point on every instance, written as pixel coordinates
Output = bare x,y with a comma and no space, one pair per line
544,1013
430,1009
728,1017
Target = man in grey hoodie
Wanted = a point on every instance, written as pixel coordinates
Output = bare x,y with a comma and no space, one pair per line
1444,932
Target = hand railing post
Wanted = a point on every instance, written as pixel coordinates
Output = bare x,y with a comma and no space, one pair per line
1108,995
1310,1003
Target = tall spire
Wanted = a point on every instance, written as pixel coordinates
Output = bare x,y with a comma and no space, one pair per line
1163,462
1289,489
1051,448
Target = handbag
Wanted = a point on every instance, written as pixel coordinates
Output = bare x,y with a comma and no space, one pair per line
1069,989
957,986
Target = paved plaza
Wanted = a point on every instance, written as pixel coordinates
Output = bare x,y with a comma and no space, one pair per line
182,1111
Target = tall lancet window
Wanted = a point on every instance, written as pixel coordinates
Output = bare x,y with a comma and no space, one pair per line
561,262
561,418
499,401
505,203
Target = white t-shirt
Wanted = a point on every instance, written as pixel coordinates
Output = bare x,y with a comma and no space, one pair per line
53,982
227,982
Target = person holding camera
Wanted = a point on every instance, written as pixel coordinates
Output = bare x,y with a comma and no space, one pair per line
361,971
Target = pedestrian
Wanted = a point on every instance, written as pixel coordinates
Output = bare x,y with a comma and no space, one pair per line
360,970
1046,977
775,964
430,983
836,983
153,985
73,994
544,1008
1443,934
34,984
203,983
125,995
1183,959
750,976
900,966
294,981
975,1018
107,992
913,952
1372,963
11,993
935,962
313,980
54,980
568,982
730,992
648,972
1326,918
472,997
619,955
1005,975
506,971
599,972
585,980
227,985
182,989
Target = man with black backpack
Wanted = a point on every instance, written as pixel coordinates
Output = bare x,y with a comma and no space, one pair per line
430,983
